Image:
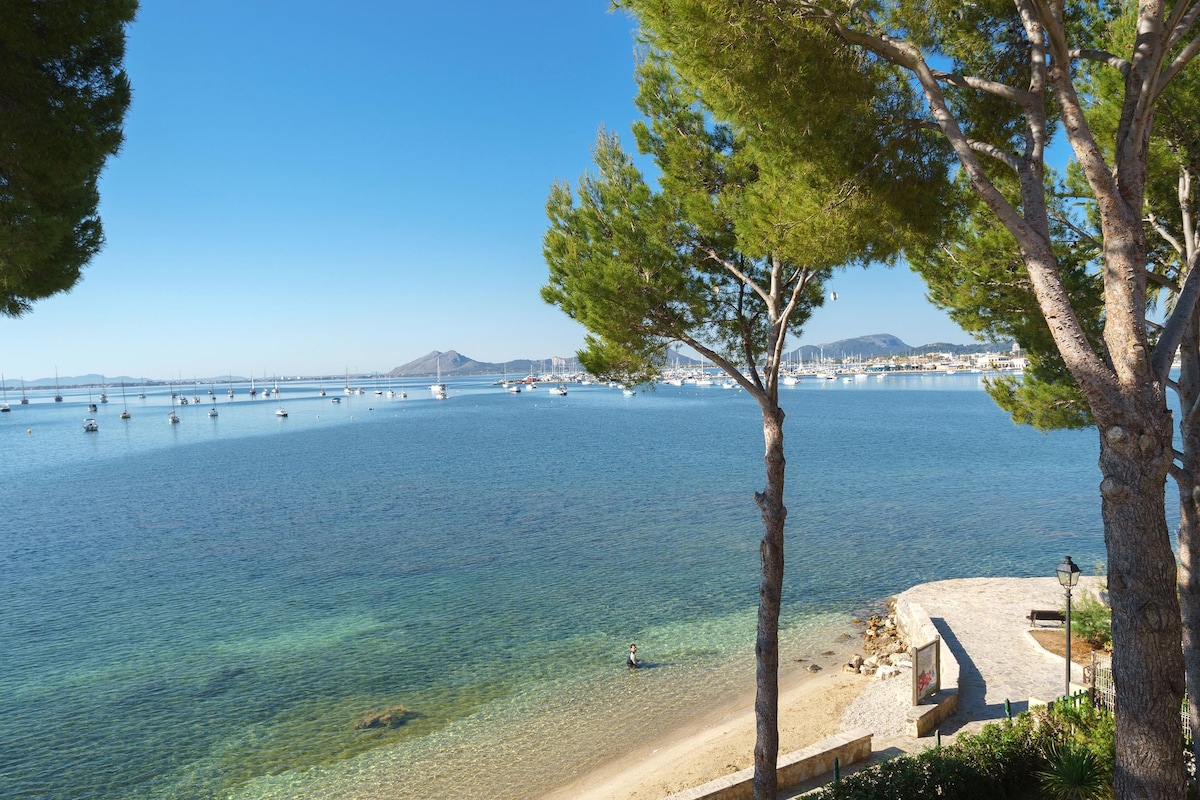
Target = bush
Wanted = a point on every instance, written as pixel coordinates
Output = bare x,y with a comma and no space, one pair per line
1073,772
1003,760
1091,620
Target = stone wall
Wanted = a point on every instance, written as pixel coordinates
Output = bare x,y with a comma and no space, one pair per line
793,768
918,628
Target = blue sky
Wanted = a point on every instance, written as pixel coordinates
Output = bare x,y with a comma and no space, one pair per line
309,187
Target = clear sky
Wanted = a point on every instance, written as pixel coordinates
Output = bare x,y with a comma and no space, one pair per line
309,187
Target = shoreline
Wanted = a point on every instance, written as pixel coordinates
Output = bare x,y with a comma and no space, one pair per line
721,741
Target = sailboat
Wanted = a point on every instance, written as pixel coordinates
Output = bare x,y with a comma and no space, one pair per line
24,399
57,391
173,418
124,402
231,386
281,411
439,388
4,388
103,394
348,389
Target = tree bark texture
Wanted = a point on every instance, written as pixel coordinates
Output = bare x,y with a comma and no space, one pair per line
770,595
1186,478
1135,454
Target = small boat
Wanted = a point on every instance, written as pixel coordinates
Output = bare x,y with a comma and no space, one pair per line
90,425
336,400
322,391
438,389
560,390
212,412
279,412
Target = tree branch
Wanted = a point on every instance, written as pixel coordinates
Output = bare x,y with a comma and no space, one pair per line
1176,66
1001,90
1173,329
1182,20
1104,57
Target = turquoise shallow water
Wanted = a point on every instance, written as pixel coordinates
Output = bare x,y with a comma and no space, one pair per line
204,610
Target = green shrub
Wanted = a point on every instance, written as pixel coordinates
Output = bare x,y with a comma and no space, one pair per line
1073,772
1091,620
1004,760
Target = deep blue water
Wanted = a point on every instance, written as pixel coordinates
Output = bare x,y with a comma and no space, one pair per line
205,609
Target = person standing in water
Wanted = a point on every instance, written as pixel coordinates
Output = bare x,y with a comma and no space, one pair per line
632,660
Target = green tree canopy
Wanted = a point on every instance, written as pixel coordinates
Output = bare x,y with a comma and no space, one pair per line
998,79
727,251
63,97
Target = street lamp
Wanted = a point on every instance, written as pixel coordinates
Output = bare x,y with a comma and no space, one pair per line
1068,576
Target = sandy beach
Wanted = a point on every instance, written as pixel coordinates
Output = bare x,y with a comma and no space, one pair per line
981,619
811,705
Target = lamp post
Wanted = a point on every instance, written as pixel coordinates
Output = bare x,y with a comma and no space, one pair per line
1068,576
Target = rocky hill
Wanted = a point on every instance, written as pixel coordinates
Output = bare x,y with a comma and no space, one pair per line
882,345
453,363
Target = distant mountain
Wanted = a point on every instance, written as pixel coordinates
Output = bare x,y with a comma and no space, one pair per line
454,363
883,345
91,379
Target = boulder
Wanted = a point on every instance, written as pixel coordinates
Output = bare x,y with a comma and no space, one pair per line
392,717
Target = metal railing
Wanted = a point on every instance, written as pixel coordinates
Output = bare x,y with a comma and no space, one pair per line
1104,691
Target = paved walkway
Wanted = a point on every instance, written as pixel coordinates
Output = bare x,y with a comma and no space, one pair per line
983,622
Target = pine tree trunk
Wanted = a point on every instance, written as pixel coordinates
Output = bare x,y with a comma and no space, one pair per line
1135,453
770,592
1188,480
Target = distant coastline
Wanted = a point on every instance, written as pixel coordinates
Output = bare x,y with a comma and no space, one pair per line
450,363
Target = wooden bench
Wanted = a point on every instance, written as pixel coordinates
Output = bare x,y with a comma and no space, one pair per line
1045,615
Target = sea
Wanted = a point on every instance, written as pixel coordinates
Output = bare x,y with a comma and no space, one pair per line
213,609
